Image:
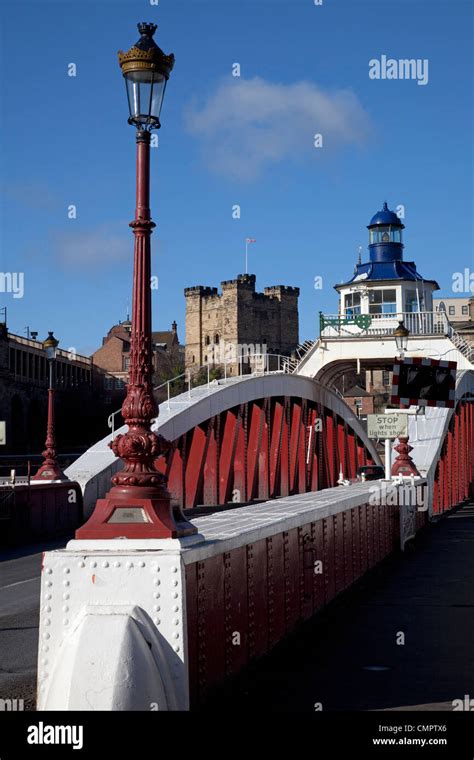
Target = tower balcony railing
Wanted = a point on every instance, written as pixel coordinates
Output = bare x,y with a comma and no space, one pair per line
379,325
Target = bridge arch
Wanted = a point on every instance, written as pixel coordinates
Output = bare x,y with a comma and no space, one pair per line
245,440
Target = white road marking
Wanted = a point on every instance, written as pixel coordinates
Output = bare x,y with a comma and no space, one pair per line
18,583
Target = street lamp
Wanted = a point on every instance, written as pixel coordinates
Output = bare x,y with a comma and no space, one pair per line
138,505
403,464
146,70
401,334
50,469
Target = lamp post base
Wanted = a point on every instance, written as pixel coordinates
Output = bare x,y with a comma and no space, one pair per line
145,514
49,471
404,464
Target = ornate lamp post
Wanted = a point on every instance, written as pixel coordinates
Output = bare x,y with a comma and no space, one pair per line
50,469
138,504
403,464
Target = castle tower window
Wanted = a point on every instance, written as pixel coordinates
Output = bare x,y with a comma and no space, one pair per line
216,339
208,340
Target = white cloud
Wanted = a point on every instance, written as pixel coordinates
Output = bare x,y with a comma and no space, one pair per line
248,125
97,247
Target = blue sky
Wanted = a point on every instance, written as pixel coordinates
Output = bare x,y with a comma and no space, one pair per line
227,140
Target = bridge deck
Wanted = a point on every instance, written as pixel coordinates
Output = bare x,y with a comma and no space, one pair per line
348,659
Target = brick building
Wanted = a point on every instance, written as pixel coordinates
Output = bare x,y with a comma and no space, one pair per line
360,401
239,323
111,361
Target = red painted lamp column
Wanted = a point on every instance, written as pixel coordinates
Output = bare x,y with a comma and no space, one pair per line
138,505
50,469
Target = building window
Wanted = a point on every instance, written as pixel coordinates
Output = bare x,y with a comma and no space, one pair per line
358,406
119,384
386,378
442,306
125,363
207,340
383,302
452,311
411,301
216,339
352,304
465,311
108,383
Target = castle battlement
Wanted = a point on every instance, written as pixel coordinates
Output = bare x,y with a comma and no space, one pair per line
200,290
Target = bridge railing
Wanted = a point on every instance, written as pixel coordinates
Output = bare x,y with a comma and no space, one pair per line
373,325
252,365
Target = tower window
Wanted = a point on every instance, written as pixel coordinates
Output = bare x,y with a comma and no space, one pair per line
411,301
385,235
208,340
352,304
383,302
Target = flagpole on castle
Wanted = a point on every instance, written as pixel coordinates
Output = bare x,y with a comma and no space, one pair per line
247,241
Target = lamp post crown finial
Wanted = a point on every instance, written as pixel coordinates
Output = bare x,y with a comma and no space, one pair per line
146,29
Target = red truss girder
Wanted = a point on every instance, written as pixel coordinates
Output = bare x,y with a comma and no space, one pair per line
261,450
454,476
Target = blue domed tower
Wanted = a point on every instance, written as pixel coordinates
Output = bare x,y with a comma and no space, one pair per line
385,236
385,285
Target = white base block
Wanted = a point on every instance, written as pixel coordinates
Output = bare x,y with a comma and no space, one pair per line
112,632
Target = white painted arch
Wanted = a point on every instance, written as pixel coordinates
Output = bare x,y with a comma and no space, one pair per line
94,469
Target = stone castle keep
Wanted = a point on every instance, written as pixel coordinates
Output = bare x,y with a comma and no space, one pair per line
239,323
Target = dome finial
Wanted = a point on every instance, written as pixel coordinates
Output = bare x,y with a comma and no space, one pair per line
385,207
